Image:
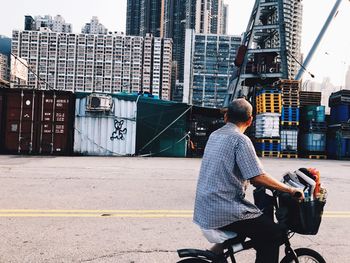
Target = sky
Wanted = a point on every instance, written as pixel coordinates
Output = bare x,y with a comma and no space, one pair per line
331,59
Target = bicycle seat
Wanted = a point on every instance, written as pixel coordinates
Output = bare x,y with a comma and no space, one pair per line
218,236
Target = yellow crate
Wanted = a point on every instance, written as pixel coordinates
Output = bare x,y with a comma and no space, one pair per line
270,102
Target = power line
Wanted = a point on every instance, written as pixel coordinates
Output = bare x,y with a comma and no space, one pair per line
33,72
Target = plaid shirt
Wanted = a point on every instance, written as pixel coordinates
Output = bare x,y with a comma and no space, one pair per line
228,163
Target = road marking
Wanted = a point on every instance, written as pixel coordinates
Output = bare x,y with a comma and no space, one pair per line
90,211
122,213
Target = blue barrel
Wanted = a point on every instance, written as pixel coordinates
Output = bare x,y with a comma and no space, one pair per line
340,113
312,142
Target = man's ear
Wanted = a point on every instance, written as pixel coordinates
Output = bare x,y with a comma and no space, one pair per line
250,121
225,118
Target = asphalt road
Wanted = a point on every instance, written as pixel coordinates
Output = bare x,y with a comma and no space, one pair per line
95,209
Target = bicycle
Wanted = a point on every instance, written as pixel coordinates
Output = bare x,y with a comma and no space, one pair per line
235,244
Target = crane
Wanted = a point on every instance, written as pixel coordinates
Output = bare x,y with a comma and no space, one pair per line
263,57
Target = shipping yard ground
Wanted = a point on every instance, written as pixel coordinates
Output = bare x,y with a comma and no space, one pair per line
109,209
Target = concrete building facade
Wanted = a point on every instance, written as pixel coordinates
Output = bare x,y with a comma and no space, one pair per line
209,59
4,68
109,63
144,17
172,17
94,27
56,24
293,14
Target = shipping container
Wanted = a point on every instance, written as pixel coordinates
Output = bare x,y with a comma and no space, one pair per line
202,122
105,124
37,121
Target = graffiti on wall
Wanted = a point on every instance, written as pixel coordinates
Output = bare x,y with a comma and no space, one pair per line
119,132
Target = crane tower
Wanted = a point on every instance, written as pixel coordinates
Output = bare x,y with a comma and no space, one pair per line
270,48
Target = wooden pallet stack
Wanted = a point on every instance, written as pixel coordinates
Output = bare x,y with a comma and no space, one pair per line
338,137
313,128
311,98
268,112
290,117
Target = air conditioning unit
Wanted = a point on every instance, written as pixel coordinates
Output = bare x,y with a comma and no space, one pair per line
99,102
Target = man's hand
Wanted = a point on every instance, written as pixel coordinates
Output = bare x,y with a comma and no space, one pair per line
272,183
297,194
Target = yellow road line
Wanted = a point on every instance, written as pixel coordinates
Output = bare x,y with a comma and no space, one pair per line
90,211
123,213
336,216
99,215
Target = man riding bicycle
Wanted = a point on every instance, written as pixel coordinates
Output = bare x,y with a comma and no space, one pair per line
229,164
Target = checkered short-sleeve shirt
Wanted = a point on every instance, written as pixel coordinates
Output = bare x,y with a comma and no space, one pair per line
229,161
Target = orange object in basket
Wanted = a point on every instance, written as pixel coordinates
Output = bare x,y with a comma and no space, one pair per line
316,173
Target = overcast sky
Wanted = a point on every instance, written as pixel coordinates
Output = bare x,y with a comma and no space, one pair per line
331,59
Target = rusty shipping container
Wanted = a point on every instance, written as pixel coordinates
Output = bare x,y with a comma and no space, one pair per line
37,121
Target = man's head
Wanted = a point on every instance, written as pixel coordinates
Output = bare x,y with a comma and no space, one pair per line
240,112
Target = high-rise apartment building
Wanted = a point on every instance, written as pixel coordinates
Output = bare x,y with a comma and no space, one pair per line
209,59
143,17
94,27
293,13
224,19
56,24
133,12
347,79
109,63
4,67
169,19
204,16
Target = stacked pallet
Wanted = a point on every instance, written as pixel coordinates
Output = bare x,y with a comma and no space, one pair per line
338,137
313,128
311,98
268,110
289,117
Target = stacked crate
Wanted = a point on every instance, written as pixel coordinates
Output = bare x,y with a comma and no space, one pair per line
289,117
268,112
338,137
313,128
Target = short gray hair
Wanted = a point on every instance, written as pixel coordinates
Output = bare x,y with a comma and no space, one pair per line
239,111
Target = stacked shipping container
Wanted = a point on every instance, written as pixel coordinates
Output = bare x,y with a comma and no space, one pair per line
338,137
312,137
290,117
267,132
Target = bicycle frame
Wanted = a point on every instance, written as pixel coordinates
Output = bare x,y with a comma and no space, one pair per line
235,245
231,247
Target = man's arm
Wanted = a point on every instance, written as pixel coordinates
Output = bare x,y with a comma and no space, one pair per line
272,183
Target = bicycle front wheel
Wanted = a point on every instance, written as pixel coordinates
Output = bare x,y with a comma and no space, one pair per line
305,255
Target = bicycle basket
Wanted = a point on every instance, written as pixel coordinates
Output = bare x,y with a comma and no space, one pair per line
303,218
